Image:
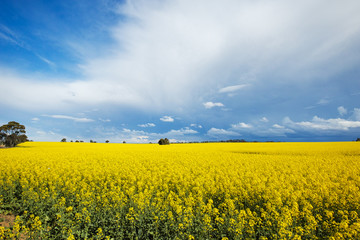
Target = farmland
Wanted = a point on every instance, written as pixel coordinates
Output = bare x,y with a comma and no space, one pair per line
181,191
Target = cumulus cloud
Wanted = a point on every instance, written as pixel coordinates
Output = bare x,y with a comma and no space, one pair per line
195,125
140,136
321,124
342,111
356,114
76,119
209,105
147,125
167,119
241,125
278,126
216,132
182,131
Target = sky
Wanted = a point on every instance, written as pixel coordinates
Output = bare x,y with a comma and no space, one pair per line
206,70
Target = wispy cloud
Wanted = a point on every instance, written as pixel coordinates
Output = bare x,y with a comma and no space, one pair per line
233,88
209,105
9,36
47,61
76,119
323,101
147,125
264,119
104,120
167,119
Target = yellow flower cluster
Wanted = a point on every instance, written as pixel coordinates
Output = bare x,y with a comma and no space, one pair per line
183,191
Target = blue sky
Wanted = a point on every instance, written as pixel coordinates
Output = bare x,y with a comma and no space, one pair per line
138,71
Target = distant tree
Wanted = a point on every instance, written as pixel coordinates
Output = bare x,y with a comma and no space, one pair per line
76,141
107,141
12,134
358,139
124,142
63,140
71,141
164,141
91,141
81,141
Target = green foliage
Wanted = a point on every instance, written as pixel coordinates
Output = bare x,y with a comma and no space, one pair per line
12,134
164,141
63,140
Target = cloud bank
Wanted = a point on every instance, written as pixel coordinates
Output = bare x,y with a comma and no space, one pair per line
167,54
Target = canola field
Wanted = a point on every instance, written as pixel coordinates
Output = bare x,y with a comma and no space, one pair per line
181,191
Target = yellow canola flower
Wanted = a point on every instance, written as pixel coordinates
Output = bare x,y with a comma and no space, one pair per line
194,191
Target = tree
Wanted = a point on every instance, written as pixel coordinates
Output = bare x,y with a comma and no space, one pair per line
164,141
358,139
63,140
107,141
12,134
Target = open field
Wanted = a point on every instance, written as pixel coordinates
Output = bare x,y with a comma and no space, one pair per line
181,191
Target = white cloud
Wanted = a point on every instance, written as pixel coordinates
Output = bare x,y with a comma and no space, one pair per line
356,114
35,119
47,61
233,88
104,120
140,136
323,101
216,132
181,131
264,119
321,124
147,125
278,126
167,119
37,134
342,111
241,125
195,125
170,51
209,105
76,119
